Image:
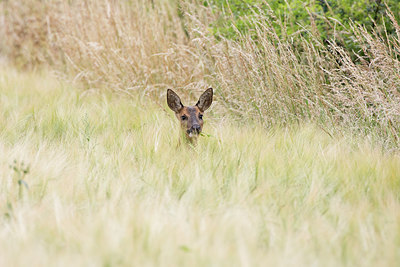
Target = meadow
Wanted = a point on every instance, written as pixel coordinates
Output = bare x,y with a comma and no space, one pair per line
298,164
97,179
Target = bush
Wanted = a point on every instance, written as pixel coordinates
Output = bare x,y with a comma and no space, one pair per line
327,20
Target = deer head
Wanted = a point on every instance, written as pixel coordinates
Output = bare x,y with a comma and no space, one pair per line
190,117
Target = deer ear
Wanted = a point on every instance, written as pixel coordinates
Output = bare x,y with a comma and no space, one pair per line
205,100
173,100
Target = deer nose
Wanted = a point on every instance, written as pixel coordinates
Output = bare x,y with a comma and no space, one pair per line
196,128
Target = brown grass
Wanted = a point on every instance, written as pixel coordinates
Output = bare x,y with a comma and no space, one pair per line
144,47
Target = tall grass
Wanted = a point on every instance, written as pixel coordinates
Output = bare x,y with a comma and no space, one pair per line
105,182
144,47
90,177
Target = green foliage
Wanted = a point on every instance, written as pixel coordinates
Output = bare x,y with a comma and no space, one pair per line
327,20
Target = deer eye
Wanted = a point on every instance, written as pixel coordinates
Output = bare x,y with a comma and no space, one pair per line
201,116
184,117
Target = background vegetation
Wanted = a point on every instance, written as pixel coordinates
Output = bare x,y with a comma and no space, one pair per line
328,20
299,164
270,62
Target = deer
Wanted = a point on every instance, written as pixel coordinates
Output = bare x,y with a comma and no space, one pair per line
190,117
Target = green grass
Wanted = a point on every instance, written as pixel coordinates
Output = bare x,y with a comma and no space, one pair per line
109,184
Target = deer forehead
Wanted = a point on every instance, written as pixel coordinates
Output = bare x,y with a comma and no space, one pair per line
190,111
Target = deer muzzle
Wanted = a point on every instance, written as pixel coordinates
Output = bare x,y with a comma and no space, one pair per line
194,130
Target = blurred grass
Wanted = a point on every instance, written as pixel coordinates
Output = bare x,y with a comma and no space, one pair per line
109,184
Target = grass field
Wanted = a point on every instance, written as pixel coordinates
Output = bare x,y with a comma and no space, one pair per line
99,179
